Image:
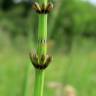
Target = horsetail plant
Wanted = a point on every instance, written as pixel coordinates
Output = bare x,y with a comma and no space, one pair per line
41,60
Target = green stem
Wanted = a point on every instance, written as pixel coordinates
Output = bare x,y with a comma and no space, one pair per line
39,83
42,34
41,49
26,81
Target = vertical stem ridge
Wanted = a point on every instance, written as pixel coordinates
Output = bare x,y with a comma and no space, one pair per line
42,35
39,83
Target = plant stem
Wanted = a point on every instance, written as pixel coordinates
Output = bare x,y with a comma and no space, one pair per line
26,81
41,49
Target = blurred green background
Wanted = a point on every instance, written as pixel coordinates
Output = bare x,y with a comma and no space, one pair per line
71,41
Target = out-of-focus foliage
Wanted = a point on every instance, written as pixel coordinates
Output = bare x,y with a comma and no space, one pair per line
73,19
68,20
